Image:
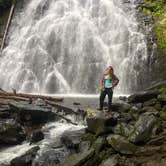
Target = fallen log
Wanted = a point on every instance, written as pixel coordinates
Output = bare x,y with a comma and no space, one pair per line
61,107
14,98
4,93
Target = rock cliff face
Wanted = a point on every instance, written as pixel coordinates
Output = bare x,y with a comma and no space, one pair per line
152,16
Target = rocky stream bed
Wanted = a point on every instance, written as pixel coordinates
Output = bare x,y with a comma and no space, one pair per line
42,131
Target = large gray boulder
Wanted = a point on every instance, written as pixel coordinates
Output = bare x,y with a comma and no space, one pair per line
122,129
78,159
36,136
31,113
50,157
121,107
72,139
143,96
121,144
111,161
99,122
143,128
99,144
25,159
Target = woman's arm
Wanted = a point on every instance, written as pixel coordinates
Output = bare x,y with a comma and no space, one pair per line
115,81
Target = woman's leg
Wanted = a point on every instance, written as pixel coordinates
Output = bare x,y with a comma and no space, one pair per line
102,97
110,94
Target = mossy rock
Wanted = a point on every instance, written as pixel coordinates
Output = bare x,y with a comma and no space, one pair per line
151,102
78,159
11,132
163,115
89,137
99,144
106,153
99,122
122,129
121,144
94,161
162,98
143,128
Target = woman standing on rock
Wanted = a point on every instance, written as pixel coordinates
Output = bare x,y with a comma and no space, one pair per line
108,82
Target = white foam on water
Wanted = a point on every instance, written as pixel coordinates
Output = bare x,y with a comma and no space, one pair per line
52,131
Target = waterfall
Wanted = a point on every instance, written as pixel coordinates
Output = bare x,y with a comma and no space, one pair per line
64,46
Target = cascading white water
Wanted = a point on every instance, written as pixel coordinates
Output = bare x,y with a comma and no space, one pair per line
63,46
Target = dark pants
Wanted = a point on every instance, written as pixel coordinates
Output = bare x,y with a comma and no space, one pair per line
109,92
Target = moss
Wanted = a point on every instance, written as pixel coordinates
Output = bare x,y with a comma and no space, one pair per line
163,115
157,9
106,153
163,89
89,137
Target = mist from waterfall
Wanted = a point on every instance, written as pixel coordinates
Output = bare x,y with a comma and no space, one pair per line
64,46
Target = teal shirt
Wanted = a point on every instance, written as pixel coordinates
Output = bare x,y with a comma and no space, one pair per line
108,82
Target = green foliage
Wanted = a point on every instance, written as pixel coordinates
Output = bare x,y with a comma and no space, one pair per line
163,89
157,9
163,115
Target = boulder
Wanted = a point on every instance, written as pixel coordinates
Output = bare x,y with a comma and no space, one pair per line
99,144
50,157
150,150
11,133
122,129
84,146
5,113
72,139
111,161
25,159
92,161
32,113
36,136
149,110
121,144
163,115
106,153
121,107
125,117
123,98
143,128
158,106
78,159
151,102
143,96
158,140
138,105
99,122
89,137
162,98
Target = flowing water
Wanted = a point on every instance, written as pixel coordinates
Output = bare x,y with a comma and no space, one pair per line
64,46
51,144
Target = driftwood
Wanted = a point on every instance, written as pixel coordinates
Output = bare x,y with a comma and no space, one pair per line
25,96
61,107
14,98
6,99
